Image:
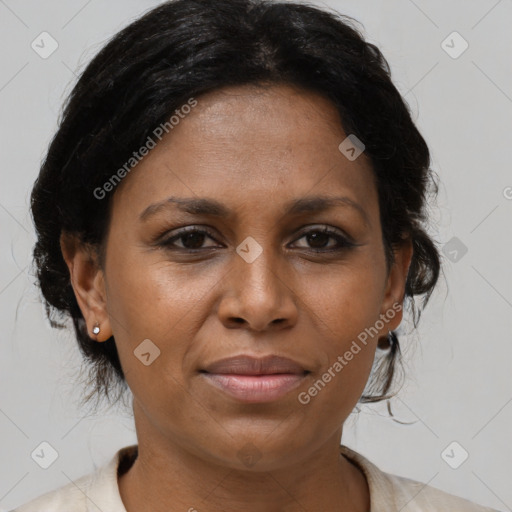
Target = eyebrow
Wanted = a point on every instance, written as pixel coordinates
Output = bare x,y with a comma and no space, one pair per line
205,206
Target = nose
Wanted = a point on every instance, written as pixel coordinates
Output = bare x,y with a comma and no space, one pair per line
258,295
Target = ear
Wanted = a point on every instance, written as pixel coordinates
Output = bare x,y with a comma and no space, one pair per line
392,304
88,284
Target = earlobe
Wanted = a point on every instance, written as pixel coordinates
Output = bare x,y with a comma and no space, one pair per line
96,331
88,284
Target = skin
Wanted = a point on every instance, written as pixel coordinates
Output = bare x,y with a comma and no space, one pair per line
253,149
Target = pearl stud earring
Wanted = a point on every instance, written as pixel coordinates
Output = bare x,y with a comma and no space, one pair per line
96,329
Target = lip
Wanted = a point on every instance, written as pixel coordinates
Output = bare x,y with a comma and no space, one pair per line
251,380
249,365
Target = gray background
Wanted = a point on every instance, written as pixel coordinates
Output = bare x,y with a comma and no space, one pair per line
458,363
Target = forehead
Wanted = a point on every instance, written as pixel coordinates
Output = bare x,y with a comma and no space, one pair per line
251,145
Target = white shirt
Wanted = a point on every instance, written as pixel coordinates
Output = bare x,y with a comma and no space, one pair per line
99,491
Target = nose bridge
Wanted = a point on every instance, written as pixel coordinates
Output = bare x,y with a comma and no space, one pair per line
256,267
257,292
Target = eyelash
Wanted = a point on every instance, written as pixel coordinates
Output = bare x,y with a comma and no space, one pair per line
342,242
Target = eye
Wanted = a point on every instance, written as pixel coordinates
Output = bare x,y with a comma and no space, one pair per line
191,239
318,240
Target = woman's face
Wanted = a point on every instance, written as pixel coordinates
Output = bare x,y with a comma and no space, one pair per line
256,277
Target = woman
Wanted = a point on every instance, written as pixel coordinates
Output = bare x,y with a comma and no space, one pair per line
232,213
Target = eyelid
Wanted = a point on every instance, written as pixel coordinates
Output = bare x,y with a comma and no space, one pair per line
324,228
343,240
165,238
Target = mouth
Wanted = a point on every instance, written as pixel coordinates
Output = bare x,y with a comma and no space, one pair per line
255,380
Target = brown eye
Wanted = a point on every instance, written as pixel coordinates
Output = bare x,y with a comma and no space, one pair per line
191,239
318,240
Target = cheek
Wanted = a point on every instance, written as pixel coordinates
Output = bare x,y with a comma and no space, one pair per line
168,303
346,300
345,306
161,303
347,358
154,297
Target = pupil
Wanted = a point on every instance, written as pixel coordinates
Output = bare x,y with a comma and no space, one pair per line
197,240
313,239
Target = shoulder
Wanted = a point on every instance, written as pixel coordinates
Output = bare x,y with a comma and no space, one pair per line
413,496
393,492
95,492
59,500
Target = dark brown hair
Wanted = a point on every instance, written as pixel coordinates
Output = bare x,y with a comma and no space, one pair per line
185,48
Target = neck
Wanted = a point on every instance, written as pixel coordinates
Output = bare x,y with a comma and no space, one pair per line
167,477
